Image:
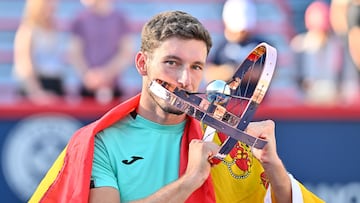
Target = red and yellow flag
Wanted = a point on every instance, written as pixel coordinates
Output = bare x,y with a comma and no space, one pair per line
68,180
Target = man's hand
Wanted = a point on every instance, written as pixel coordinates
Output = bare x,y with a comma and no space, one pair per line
264,130
198,168
268,157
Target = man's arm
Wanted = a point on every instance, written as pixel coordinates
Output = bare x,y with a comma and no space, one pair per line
177,191
275,171
279,180
104,195
197,171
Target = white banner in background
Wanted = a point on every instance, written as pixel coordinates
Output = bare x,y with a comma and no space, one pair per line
31,147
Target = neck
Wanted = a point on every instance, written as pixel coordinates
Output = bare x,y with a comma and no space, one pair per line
102,7
236,37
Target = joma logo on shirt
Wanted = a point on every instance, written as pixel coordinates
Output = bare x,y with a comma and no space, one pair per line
134,158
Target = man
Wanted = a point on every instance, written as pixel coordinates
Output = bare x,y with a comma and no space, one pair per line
239,39
148,151
353,21
319,58
101,49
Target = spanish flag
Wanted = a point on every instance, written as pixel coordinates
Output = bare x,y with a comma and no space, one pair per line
68,180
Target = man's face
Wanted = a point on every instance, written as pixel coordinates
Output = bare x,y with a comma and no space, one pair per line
179,62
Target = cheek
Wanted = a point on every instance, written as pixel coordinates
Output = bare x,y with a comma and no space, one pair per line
167,74
157,71
197,78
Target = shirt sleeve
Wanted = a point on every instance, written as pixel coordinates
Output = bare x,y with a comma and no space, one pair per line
299,193
102,173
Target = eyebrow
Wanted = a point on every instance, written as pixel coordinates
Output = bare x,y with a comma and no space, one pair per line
179,59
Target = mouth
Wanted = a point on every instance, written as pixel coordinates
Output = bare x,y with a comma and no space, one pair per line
162,88
170,87
168,93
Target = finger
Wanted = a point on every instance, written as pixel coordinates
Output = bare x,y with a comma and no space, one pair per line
261,127
212,147
213,151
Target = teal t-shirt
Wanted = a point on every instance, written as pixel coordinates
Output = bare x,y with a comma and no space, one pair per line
137,157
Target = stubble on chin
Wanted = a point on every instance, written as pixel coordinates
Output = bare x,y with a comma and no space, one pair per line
172,110
165,106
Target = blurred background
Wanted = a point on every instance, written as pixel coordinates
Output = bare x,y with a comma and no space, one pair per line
52,81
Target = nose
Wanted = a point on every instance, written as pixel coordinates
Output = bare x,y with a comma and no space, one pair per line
184,78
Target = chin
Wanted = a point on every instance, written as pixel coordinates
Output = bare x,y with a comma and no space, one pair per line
168,108
172,110
165,106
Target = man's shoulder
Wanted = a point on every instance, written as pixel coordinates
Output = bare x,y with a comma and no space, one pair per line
116,128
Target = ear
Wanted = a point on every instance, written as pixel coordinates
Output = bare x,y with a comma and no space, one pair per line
140,61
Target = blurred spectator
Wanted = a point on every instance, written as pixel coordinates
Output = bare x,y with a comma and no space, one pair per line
239,17
319,57
354,31
339,17
38,52
101,49
338,10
